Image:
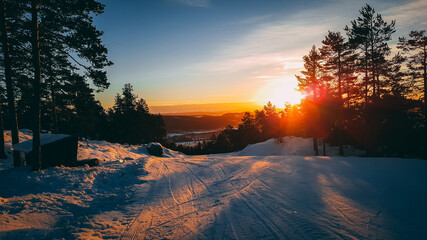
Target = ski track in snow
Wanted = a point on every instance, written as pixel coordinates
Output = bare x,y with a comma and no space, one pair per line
228,197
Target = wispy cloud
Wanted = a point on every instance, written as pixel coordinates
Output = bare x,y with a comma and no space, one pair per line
278,45
410,16
282,43
195,3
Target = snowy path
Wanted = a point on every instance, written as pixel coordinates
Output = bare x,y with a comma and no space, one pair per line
226,197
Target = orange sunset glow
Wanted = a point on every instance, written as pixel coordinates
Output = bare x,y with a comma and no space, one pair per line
279,92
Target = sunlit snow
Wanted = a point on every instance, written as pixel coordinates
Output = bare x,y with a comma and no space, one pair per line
244,195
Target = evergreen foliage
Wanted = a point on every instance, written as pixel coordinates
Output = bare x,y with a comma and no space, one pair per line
129,120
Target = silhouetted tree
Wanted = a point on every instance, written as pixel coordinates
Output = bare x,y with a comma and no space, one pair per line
2,150
416,49
9,82
369,34
268,121
131,122
313,85
248,131
36,151
335,53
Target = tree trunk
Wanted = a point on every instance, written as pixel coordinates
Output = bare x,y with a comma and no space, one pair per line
36,152
425,92
378,85
55,115
9,84
341,106
315,146
365,110
425,81
2,152
324,147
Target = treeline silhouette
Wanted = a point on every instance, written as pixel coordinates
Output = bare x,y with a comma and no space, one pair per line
255,127
357,93
53,60
177,123
129,121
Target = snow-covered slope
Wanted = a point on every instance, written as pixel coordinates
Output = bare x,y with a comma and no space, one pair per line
292,146
132,195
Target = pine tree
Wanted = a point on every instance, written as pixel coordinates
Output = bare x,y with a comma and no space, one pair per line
131,122
368,35
9,82
397,81
248,131
336,53
36,150
313,84
87,115
416,49
68,38
2,150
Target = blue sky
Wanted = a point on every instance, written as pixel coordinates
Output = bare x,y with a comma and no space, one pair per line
208,51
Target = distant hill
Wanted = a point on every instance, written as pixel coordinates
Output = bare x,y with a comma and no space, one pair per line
215,109
176,124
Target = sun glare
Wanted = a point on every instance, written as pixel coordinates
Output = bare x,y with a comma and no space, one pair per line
279,91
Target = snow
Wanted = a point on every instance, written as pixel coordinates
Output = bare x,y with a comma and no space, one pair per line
133,195
27,146
292,146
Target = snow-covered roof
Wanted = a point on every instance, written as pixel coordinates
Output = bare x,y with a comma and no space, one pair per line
27,146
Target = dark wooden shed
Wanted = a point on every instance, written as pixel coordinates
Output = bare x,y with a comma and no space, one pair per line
56,150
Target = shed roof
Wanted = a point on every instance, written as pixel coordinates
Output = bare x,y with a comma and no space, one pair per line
27,146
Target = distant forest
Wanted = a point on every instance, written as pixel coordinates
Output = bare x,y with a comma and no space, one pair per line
356,93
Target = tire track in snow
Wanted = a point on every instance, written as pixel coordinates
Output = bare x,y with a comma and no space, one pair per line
169,185
179,206
239,198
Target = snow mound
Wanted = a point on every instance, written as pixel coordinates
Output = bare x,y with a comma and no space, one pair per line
292,146
107,151
167,153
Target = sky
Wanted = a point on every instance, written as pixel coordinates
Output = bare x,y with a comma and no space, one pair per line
178,52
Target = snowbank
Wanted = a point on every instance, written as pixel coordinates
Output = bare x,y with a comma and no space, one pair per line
292,146
102,150
59,200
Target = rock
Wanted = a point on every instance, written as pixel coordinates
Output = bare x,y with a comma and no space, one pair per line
155,149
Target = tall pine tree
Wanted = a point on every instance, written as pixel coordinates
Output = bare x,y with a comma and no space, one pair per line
415,47
9,81
313,84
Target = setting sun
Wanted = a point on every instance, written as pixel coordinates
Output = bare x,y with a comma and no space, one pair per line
279,91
